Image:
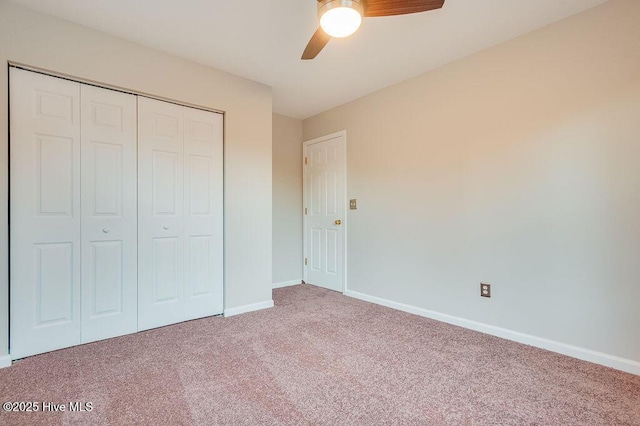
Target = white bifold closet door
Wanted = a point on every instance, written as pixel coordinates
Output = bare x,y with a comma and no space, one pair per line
109,213
72,213
180,197
44,213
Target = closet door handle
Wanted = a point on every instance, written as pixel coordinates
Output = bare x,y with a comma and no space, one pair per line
106,230
166,227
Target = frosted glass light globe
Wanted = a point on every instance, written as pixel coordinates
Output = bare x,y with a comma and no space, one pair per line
340,22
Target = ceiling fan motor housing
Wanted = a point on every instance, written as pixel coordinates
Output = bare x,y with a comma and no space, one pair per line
341,18
326,5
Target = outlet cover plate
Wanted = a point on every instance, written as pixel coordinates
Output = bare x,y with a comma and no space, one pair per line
485,289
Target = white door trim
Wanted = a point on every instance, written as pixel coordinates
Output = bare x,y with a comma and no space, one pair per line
345,223
78,79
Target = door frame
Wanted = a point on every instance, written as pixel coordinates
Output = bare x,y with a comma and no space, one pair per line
305,146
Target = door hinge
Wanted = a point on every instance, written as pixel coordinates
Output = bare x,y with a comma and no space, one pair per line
305,261
305,210
305,161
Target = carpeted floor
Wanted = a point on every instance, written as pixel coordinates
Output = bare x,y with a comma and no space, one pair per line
319,358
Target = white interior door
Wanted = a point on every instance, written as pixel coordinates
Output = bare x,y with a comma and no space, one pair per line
109,213
324,198
44,213
160,213
180,247
116,213
203,197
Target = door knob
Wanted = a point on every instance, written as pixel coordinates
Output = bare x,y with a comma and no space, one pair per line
106,230
165,227
338,222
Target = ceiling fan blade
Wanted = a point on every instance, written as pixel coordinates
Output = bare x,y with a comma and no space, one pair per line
318,41
375,8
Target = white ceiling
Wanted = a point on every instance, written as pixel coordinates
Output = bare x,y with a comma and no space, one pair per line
263,39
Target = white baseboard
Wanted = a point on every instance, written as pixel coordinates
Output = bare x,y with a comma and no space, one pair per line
287,283
601,358
5,361
248,308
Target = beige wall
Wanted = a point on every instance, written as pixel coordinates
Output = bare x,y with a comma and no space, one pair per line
60,46
287,199
517,166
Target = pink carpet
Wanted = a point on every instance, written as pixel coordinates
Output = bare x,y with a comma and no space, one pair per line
319,358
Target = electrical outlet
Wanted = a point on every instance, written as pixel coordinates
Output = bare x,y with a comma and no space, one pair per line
485,289
353,204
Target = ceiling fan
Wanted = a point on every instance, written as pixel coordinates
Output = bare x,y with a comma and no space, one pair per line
341,18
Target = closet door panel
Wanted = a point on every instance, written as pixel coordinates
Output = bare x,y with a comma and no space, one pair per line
161,219
44,213
109,213
203,138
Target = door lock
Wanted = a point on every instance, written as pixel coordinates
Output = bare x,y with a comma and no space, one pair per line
338,222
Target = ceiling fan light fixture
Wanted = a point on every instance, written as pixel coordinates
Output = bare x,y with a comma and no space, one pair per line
340,18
